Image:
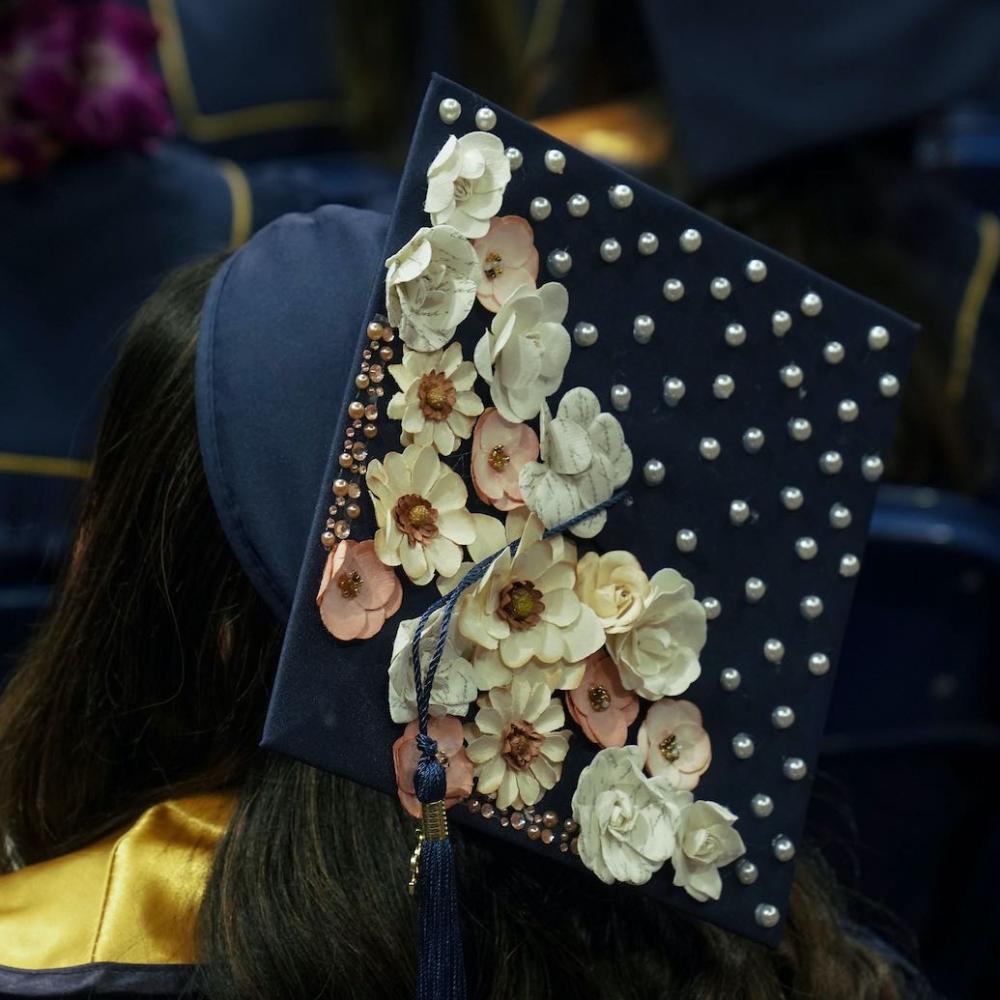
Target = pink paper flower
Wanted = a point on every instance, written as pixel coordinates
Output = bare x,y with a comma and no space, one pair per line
508,259
674,743
601,706
499,450
447,730
358,592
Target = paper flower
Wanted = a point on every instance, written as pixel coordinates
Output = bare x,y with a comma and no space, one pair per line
522,355
500,449
614,585
430,286
458,771
524,608
517,747
705,842
600,706
674,743
490,671
626,819
658,656
507,260
466,182
357,593
584,459
420,511
454,686
436,403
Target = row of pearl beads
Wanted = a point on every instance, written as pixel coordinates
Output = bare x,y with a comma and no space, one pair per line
730,678
545,827
362,417
830,462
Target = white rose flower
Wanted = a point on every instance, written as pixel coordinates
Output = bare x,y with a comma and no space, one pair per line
430,286
466,182
454,686
658,656
626,819
584,459
705,841
615,586
523,354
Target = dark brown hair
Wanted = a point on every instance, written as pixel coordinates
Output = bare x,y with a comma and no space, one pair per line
150,678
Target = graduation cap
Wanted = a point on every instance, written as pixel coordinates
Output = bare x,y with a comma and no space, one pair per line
598,477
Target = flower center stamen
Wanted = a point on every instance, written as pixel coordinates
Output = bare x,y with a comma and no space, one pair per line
499,459
437,396
416,518
463,188
521,745
600,700
521,605
493,265
350,584
669,749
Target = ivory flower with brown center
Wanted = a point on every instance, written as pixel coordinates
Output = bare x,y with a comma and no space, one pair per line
436,402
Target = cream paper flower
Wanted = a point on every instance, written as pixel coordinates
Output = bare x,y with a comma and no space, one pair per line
626,819
523,354
454,686
436,404
516,744
524,608
466,182
430,286
705,842
658,656
614,585
584,459
420,510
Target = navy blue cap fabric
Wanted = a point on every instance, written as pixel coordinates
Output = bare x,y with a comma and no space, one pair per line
794,346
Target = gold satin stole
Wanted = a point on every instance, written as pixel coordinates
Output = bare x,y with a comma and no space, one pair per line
132,897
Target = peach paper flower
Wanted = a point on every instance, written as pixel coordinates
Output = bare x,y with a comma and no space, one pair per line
447,730
507,259
358,592
674,743
499,450
601,706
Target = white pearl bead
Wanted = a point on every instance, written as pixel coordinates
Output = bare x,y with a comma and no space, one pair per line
753,439
486,119
811,304
819,664
578,205
449,110
872,468
730,679
791,376
621,396
690,240
794,768
792,498
723,386
831,462
833,352
888,385
555,161
766,915
687,540
540,208
756,270
743,746
654,472
781,322
799,429
620,196
611,250
648,243
585,334
709,448
806,548
755,589
673,289
878,338
720,288
849,565
782,716
746,872
762,805
736,334
515,157
673,391
712,606
784,849
643,328
811,607
739,511
847,411
840,516
774,650
559,262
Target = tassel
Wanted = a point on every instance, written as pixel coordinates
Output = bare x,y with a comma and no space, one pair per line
442,966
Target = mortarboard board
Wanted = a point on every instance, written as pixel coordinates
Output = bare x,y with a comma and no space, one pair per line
604,464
